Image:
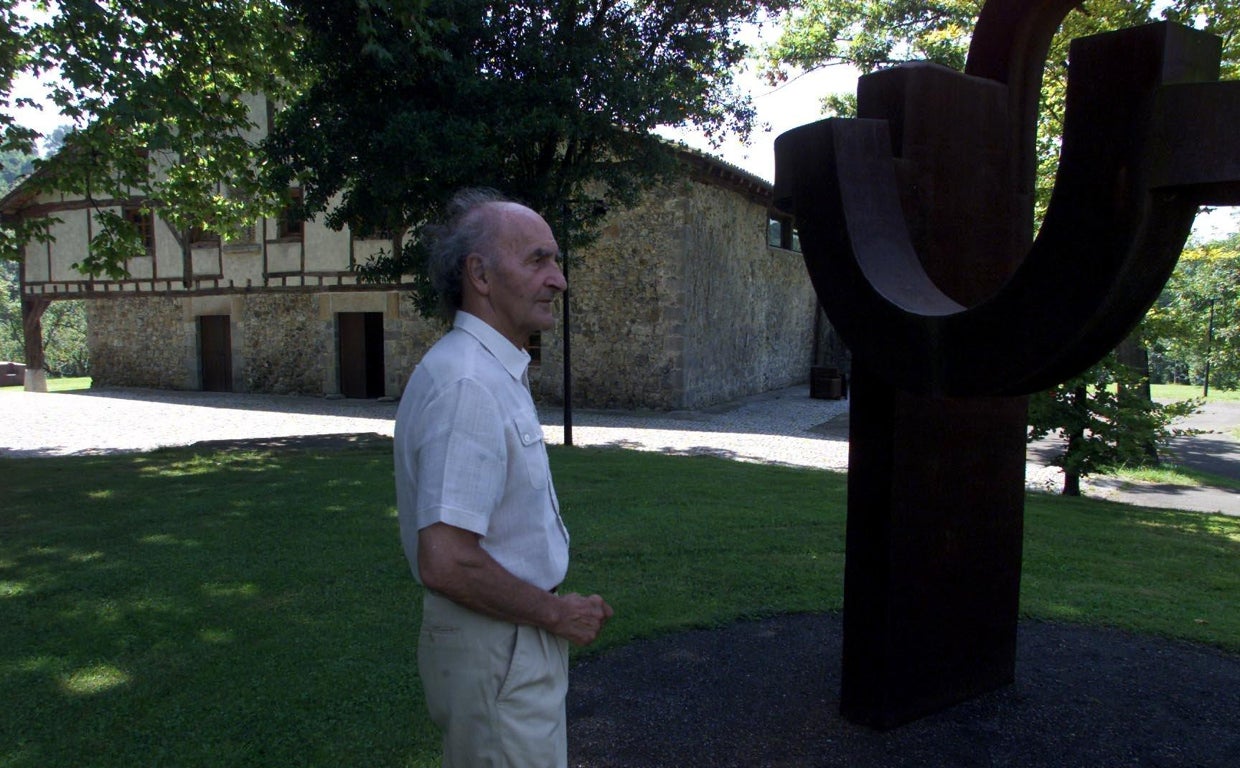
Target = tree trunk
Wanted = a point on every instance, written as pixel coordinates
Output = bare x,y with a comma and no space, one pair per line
1072,477
1132,354
1076,444
1071,483
32,330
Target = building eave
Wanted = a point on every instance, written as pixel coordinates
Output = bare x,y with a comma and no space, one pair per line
713,170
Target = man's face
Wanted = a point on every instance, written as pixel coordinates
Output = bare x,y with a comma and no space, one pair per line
524,275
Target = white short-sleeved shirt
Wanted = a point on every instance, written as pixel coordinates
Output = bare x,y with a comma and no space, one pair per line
469,452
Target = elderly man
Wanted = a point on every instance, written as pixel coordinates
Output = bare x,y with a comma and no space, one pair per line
479,518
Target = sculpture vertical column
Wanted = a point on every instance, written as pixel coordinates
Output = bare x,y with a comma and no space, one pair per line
935,524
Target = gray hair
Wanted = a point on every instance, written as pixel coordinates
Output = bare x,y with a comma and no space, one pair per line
464,232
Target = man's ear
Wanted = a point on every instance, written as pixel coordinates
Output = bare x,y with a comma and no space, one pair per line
476,274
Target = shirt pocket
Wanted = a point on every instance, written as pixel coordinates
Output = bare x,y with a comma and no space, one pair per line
533,454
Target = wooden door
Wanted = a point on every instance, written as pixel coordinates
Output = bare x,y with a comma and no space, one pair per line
215,350
360,352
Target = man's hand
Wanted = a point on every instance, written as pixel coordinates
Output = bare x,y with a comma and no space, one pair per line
581,619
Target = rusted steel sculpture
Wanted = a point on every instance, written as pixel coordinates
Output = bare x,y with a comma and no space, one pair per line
916,221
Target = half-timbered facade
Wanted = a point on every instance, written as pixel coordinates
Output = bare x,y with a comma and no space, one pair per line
691,298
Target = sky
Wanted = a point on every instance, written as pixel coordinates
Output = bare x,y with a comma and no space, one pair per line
779,109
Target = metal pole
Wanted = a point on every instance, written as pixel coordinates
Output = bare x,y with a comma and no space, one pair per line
568,358
1205,390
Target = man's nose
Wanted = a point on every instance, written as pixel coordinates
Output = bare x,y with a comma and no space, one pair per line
557,280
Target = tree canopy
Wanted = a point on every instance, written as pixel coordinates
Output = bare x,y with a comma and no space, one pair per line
155,93
385,105
14,166
548,102
1197,319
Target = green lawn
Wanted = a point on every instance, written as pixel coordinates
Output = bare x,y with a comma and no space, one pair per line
1172,474
1164,392
67,384
254,609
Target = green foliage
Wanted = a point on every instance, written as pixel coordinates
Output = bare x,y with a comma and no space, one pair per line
392,105
1103,421
65,350
14,166
871,35
156,95
1197,318
550,103
12,339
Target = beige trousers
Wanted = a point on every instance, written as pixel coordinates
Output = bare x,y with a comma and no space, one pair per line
496,690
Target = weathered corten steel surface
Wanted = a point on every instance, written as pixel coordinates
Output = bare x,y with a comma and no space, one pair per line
917,228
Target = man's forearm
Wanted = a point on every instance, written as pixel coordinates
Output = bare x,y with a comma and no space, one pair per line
453,563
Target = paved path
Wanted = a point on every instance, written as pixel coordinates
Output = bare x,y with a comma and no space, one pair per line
784,426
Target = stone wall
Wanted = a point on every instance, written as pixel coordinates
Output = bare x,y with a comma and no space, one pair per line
282,343
407,336
282,339
139,342
748,308
625,316
681,303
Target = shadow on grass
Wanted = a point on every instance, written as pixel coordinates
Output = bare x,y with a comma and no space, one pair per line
231,609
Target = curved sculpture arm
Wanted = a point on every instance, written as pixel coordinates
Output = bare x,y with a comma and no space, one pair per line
1009,45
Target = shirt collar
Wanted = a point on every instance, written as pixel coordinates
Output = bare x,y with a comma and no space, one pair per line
514,360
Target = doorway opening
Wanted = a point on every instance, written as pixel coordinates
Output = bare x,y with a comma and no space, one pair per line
360,354
215,352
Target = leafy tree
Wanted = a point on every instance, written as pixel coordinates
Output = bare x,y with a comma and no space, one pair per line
154,90
550,102
52,142
65,349
1101,426
1197,318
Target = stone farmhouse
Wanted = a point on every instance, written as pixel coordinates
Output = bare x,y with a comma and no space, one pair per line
696,296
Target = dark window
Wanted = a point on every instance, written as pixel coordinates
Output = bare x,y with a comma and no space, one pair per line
145,222
774,232
203,236
292,224
780,233
534,347
242,235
